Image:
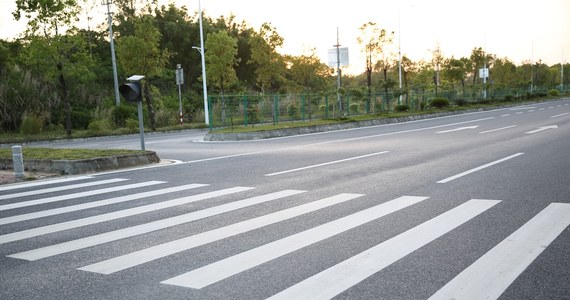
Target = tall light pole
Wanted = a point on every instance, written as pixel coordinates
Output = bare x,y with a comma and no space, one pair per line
399,59
202,54
114,61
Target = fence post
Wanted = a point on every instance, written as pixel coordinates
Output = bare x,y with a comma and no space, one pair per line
245,111
303,107
276,107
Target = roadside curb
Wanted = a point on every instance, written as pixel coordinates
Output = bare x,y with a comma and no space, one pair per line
324,128
82,166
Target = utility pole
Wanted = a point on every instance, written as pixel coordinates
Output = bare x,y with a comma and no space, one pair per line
110,20
338,72
203,54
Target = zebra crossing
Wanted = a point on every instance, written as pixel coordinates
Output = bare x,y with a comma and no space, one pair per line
488,277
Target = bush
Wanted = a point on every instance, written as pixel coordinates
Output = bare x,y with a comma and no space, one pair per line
122,113
354,107
132,124
31,125
509,98
553,93
80,117
423,105
100,126
402,108
439,102
461,102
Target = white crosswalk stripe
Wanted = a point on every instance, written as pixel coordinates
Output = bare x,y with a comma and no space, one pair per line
140,229
487,278
156,252
10,187
77,195
72,208
60,188
346,274
491,274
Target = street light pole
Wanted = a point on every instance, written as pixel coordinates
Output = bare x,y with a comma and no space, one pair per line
201,49
114,61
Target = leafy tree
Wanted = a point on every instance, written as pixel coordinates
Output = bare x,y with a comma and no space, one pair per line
308,72
376,42
454,71
141,54
269,64
221,58
221,51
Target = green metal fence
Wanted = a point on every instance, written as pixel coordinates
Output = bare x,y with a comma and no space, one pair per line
248,110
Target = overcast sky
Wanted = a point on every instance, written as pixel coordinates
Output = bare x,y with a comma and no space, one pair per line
518,29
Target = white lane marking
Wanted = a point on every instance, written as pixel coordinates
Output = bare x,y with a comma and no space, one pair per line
339,140
233,265
62,210
326,164
149,254
479,168
78,195
20,235
505,115
498,129
61,188
459,129
544,128
560,115
491,275
338,278
42,182
518,113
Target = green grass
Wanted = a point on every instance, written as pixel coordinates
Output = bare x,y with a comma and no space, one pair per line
68,154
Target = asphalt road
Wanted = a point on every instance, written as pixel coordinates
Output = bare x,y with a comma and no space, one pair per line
473,206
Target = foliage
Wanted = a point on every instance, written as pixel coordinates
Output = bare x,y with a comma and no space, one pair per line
554,93
52,153
220,59
402,108
439,102
31,125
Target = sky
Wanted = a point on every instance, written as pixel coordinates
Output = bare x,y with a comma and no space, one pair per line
522,30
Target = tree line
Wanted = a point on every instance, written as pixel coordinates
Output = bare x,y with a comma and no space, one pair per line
58,76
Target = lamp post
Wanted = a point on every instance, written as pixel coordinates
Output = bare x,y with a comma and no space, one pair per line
202,54
114,61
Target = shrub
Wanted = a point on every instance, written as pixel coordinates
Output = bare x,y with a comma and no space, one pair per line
292,111
461,102
509,97
100,126
80,117
132,124
31,125
122,113
439,102
402,107
165,118
423,105
354,107
553,93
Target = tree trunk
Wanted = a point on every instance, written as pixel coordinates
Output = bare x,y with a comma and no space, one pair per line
65,99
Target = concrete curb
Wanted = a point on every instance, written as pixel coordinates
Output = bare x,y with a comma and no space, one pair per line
74,167
323,128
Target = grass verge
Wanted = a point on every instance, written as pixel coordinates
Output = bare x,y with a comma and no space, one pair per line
67,154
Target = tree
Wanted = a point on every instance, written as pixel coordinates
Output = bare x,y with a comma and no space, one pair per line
376,41
141,54
454,71
221,52
270,66
308,72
